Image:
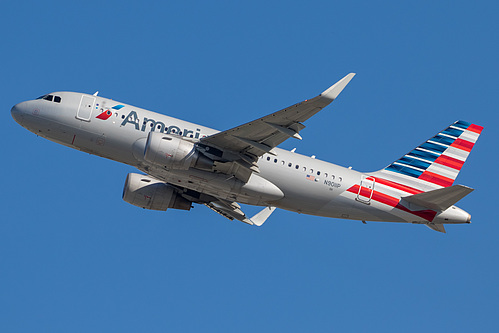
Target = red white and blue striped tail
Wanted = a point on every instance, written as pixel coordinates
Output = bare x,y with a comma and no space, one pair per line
437,162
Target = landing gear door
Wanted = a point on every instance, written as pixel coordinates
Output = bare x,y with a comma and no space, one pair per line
366,189
85,108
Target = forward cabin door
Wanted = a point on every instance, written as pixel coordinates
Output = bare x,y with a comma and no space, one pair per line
366,189
85,108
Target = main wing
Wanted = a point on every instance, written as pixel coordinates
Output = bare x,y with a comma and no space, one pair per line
237,149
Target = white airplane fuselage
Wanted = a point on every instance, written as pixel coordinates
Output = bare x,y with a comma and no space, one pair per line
286,180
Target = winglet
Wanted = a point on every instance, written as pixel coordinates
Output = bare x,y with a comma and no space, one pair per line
262,216
333,91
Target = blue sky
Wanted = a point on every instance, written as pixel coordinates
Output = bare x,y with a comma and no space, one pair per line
75,257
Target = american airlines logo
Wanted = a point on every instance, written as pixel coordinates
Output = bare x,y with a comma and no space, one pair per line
133,119
108,113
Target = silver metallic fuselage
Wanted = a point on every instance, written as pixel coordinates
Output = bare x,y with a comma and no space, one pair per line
287,180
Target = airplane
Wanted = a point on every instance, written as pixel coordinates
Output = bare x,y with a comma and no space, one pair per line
185,163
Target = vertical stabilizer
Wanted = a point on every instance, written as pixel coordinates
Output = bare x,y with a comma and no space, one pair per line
437,162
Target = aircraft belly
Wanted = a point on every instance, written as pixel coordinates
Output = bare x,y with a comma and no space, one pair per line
256,192
47,128
373,211
60,134
320,199
302,196
351,212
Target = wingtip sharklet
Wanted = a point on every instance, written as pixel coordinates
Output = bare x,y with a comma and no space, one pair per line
333,91
262,216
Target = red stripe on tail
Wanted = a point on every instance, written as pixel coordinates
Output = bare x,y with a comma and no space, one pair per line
463,144
436,179
398,186
450,162
475,128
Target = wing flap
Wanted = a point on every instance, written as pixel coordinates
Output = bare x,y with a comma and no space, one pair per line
230,211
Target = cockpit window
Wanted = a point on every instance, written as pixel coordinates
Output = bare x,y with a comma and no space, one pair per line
51,98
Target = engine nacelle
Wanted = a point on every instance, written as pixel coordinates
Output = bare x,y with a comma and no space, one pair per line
149,193
173,152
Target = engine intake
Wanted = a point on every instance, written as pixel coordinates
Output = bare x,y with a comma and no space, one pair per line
150,193
173,152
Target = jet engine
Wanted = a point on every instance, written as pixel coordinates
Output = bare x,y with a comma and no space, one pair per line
173,152
149,193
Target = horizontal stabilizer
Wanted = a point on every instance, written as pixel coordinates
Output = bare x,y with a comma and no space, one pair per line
440,199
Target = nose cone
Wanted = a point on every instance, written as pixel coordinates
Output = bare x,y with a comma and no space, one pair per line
17,114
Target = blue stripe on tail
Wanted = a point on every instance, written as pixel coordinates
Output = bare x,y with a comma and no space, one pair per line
443,139
452,131
438,149
414,162
461,124
424,155
405,171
